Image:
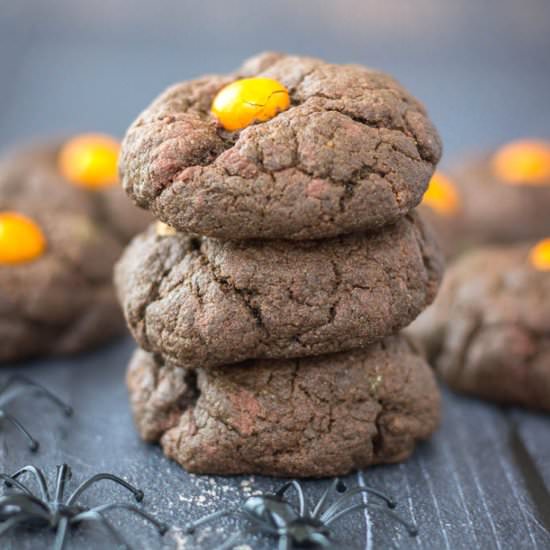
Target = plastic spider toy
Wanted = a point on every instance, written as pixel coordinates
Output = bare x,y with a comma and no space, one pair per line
20,507
272,514
21,384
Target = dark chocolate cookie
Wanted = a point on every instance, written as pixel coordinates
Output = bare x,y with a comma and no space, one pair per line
442,208
311,417
488,332
60,298
354,151
500,207
200,301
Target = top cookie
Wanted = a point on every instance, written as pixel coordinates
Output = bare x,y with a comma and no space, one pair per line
354,151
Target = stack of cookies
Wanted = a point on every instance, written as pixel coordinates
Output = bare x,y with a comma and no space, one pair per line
269,296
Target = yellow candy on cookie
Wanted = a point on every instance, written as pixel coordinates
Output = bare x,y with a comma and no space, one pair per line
21,239
442,195
90,160
539,255
249,100
523,162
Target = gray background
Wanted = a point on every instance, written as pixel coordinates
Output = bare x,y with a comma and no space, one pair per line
482,69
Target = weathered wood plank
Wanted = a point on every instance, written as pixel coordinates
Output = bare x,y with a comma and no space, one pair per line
462,488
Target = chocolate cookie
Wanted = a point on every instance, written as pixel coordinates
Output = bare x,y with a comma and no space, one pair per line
200,301
353,151
58,244
506,195
442,208
310,417
488,331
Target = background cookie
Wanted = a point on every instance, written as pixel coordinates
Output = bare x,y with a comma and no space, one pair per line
208,302
310,417
354,151
442,208
501,198
488,331
59,298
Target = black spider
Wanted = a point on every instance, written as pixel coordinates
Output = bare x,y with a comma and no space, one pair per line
20,507
300,528
22,384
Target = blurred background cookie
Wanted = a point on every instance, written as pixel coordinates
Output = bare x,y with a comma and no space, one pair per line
63,223
506,195
488,332
442,207
499,198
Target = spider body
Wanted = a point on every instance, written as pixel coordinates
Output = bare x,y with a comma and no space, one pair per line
19,384
20,507
297,527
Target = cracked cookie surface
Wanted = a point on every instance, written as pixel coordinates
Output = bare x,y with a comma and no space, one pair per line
488,331
200,301
354,151
63,301
309,417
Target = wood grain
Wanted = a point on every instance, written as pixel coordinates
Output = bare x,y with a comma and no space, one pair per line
463,488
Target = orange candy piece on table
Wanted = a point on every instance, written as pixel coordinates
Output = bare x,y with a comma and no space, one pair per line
442,195
90,160
21,240
540,255
249,100
523,162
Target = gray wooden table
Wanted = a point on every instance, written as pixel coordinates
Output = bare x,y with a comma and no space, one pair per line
479,483
483,70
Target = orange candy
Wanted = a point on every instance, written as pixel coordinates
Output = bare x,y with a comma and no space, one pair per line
90,160
540,255
249,100
442,195
523,162
21,240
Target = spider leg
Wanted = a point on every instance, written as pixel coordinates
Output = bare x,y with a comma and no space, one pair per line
99,477
92,515
5,526
63,475
27,504
411,528
160,527
33,444
207,519
10,482
61,534
261,524
29,384
319,506
351,493
390,501
284,543
298,487
38,475
322,541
